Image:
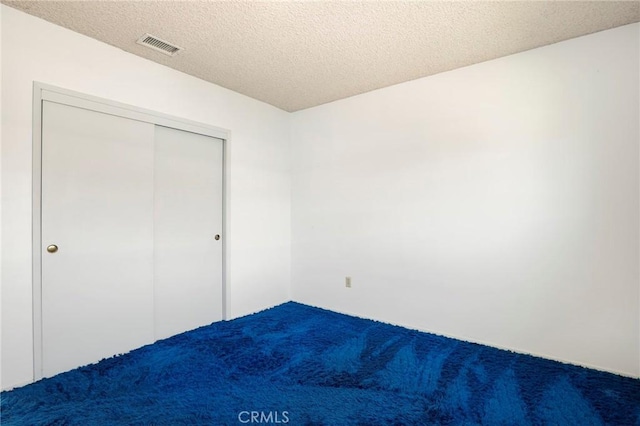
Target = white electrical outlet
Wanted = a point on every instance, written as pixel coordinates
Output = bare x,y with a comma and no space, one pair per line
347,282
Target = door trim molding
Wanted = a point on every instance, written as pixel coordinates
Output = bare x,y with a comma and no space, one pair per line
44,92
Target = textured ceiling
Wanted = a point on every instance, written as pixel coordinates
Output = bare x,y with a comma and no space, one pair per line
296,55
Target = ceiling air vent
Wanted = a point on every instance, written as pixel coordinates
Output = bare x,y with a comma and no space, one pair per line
158,44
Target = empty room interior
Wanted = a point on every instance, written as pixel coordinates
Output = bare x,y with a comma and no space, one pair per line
320,213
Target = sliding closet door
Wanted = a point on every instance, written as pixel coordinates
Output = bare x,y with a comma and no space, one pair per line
187,231
97,236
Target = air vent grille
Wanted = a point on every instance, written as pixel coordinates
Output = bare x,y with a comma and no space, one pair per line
159,45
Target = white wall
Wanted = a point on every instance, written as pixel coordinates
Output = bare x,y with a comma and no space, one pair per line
259,205
1,10
496,203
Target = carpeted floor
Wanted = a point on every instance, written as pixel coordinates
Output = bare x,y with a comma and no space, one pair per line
305,366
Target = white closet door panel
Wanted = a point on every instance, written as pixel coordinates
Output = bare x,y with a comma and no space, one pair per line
97,207
188,215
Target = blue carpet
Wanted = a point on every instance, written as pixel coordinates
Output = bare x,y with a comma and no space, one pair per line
306,366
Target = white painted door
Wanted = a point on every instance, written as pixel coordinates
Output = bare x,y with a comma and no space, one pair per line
188,216
97,208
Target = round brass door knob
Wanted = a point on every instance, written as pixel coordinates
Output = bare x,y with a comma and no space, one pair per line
52,248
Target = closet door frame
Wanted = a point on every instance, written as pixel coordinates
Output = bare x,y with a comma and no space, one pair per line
43,92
